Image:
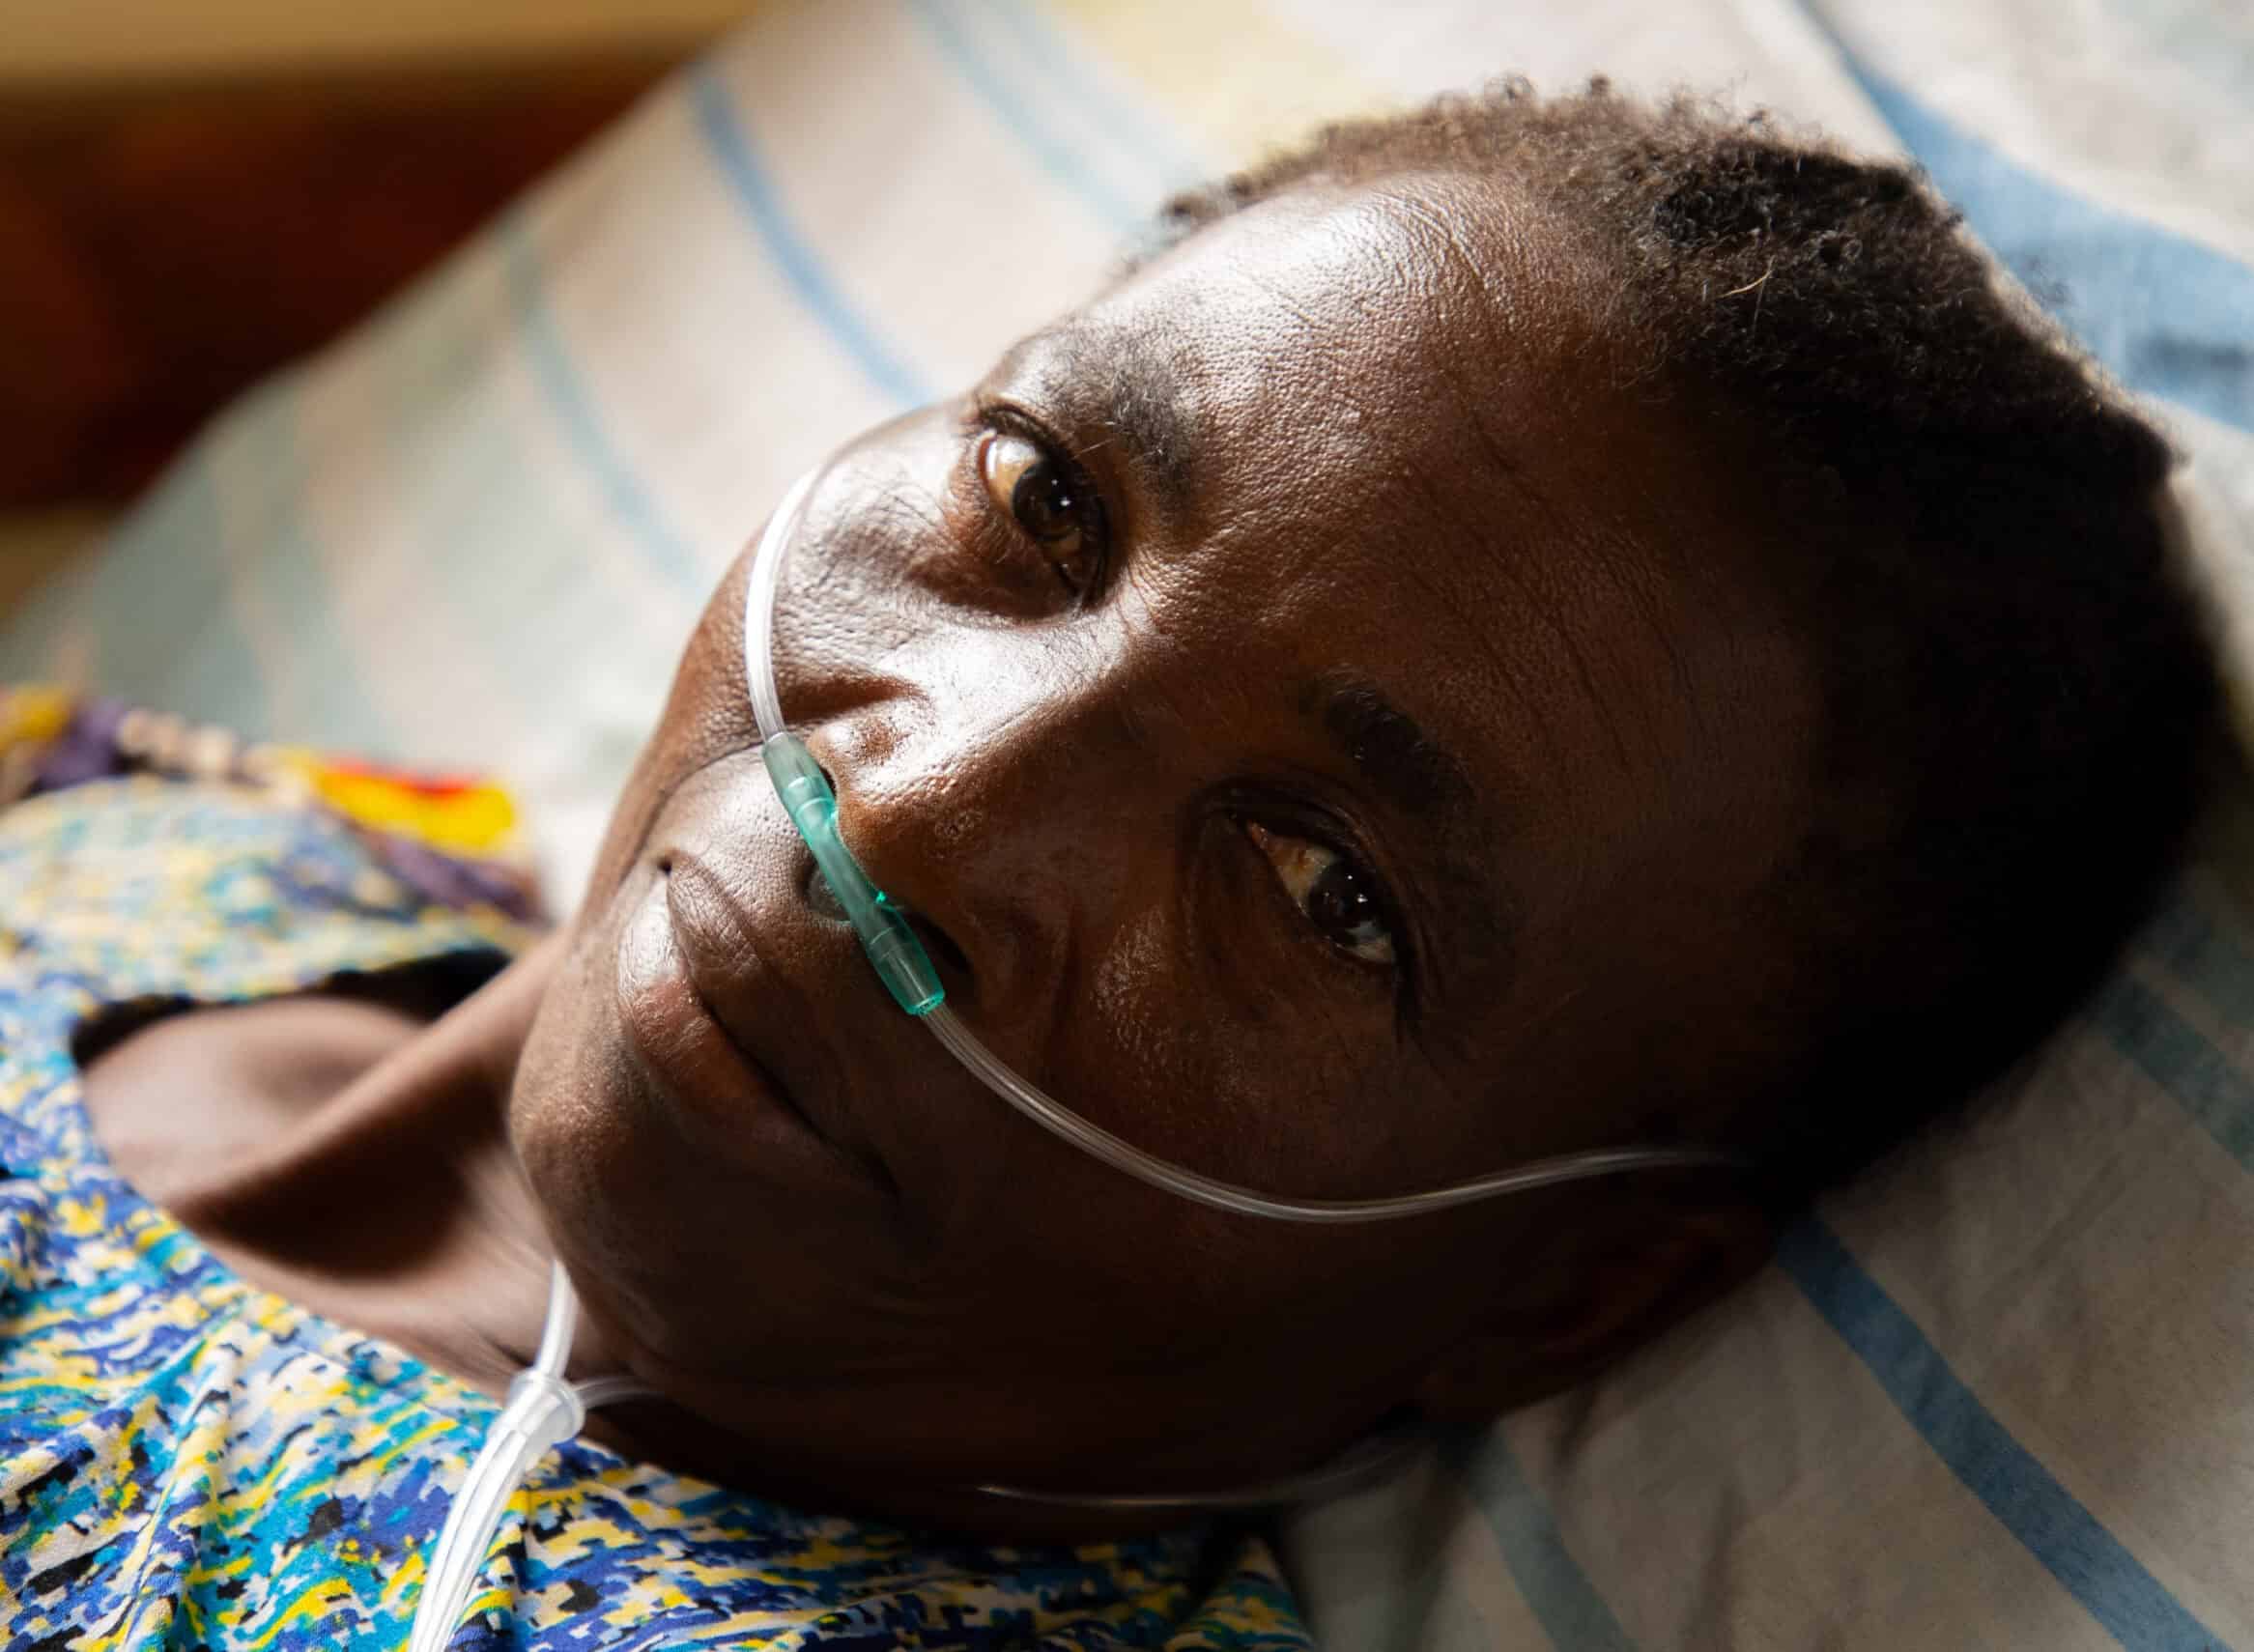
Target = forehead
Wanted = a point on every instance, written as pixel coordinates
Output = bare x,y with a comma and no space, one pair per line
1323,336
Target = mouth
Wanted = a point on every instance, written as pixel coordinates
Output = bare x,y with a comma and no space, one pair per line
668,975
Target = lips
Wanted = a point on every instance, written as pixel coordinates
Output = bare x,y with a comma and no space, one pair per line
681,968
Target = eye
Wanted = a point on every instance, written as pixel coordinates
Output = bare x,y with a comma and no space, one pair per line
1049,500
1338,896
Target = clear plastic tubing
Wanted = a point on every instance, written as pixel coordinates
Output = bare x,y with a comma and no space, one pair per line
543,1410
906,971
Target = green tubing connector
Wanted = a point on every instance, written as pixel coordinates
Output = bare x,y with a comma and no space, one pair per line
901,960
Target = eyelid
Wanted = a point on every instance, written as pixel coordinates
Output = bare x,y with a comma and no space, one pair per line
1008,418
1000,412
990,415
1014,419
1286,823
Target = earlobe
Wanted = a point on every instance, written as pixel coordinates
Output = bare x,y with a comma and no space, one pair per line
1626,1295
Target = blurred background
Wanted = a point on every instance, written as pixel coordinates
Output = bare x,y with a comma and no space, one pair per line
193,194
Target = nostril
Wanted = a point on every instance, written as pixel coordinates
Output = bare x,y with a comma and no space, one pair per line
940,944
820,897
823,901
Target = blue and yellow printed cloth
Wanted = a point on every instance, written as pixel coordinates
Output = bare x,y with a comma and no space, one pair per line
190,1462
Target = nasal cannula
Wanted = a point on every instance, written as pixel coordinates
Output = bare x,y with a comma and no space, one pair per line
543,1409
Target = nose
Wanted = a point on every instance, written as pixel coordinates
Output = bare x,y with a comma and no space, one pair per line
885,932
990,817
986,777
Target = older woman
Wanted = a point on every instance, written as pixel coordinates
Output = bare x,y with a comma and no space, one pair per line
1532,627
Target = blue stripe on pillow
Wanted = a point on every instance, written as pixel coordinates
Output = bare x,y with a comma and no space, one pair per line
167,563
2070,1542
2204,955
1083,76
665,549
1551,1581
1054,152
2171,1052
2167,315
791,254
291,596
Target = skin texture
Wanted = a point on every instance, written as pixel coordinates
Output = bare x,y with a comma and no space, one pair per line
1348,443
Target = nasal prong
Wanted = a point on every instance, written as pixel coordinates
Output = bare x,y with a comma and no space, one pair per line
886,936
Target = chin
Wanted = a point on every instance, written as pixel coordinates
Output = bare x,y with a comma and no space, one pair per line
709,1229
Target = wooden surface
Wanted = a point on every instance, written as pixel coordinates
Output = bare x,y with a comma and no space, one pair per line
38,543
114,41
162,245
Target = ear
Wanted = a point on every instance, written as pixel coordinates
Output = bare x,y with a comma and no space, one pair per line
1660,1268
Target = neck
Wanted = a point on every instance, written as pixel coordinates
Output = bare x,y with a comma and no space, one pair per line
396,1206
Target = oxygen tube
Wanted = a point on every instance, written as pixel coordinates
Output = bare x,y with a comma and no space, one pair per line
543,1410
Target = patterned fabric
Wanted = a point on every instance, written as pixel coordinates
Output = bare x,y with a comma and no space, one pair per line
187,1461
454,839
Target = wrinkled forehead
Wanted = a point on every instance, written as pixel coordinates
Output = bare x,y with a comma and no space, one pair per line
1335,337
1392,267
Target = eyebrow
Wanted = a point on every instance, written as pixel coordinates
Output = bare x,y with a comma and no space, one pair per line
1118,381
1389,749
1423,781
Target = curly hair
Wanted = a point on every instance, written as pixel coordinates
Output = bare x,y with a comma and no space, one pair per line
2017,684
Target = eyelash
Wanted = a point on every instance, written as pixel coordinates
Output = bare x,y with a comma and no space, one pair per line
1402,967
989,419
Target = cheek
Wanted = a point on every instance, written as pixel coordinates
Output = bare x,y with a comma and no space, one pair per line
608,1188
1122,1000
1212,1052
1161,1060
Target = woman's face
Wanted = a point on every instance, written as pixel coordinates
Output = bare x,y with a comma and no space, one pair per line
1324,732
